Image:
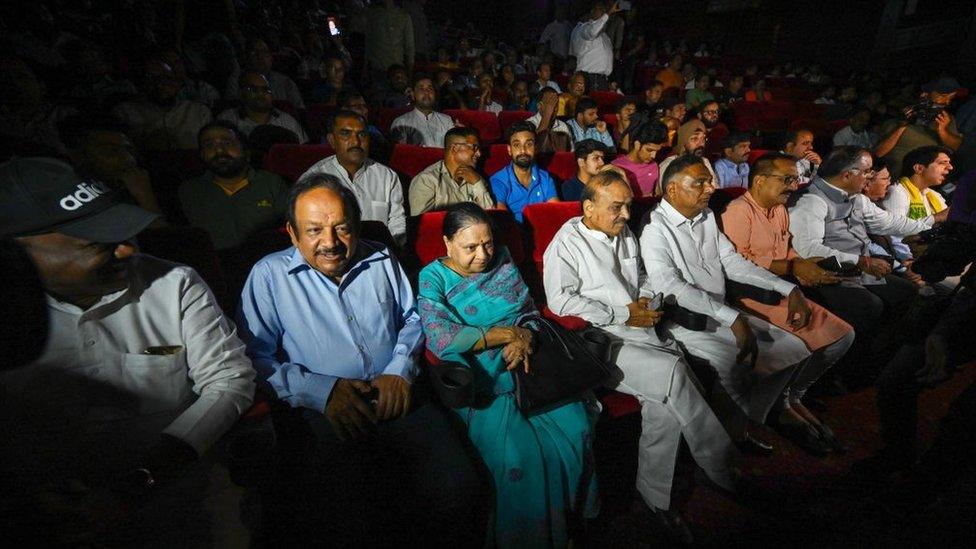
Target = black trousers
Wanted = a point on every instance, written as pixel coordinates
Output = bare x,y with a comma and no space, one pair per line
866,308
415,481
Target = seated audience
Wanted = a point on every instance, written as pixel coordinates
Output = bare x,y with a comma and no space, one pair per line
735,91
672,107
591,155
162,121
543,75
799,144
376,187
701,93
486,86
259,59
758,92
454,179
626,109
575,91
333,330
826,220
519,99
355,102
587,124
198,90
231,201
757,223
522,182
708,113
647,139
335,83
652,100
108,433
423,125
670,76
99,148
257,108
689,261
397,93
593,271
691,139
732,170
552,134
471,304
856,133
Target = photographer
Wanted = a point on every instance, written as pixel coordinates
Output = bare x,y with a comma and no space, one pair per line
924,124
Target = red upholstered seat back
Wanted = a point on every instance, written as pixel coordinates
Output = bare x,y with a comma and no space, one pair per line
563,165
485,122
507,118
606,102
544,220
291,161
610,119
385,117
755,154
413,159
316,120
497,159
429,242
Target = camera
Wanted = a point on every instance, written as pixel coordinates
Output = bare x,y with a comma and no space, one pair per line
948,248
925,112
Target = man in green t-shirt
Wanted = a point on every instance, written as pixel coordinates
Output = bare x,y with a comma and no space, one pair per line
231,201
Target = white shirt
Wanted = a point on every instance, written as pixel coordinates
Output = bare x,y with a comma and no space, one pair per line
592,46
278,118
548,84
556,34
897,202
416,128
807,225
377,188
806,170
558,126
494,108
862,139
689,260
96,401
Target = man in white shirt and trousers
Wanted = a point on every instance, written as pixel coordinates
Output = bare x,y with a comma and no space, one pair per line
592,270
688,259
592,47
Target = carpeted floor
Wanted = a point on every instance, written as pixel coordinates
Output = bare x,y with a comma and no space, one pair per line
794,498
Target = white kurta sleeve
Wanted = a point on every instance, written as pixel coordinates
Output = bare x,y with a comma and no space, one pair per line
562,282
664,276
883,222
808,228
742,270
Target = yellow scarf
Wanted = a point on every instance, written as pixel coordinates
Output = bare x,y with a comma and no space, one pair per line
916,209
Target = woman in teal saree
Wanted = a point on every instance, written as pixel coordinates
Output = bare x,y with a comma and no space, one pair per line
470,302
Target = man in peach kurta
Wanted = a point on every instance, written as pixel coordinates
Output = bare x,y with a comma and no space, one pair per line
758,224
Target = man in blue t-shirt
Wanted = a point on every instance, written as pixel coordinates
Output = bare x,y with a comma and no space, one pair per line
522,182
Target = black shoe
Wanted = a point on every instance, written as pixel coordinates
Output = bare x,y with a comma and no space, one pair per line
753,446
835,444
805,436
673,525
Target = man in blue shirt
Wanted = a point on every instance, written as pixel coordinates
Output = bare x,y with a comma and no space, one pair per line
332,328
587,124
522,182
732,169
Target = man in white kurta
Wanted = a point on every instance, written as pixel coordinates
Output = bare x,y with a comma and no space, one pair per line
592,270
688,259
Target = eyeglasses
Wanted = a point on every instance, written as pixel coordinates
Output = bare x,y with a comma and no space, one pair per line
710,111
866,173
787,179
256,90
473,147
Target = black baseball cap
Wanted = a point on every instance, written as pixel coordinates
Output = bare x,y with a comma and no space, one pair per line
943,84
45,195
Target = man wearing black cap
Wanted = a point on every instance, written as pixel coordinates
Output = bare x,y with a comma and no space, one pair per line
140,376
924,124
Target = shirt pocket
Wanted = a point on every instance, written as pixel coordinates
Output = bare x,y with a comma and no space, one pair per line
160,382
629,269
380,211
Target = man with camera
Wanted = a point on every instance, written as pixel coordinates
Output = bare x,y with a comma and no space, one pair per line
925,123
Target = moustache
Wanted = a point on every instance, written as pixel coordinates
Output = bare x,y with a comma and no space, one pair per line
223,158
357,149
338,249
698,151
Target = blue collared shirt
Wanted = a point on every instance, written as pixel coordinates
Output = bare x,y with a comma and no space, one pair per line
580,134
731,174
304,332
507,188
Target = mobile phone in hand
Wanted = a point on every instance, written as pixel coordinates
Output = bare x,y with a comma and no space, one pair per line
333,27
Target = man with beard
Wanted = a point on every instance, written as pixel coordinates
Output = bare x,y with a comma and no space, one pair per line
423,125
376,186
332,325
162,121
231,201
260,59
522,182
733,168
587,124
257,108
692,137
107,434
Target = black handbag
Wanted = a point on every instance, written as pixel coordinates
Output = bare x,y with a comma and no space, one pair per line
563,366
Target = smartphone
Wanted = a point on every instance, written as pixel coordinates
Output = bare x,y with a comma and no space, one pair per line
657,301
333,27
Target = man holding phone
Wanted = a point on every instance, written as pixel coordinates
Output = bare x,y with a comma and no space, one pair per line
592,46
592,270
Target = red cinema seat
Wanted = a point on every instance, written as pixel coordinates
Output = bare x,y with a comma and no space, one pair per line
291,161
606,102
428,243
544,220
610,119
507,118
497,159
754,155
413,159
563,165
386,116
316,120
485,122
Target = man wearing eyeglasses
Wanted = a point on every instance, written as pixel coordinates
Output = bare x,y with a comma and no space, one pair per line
830,218
257,108
260,59
454,179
